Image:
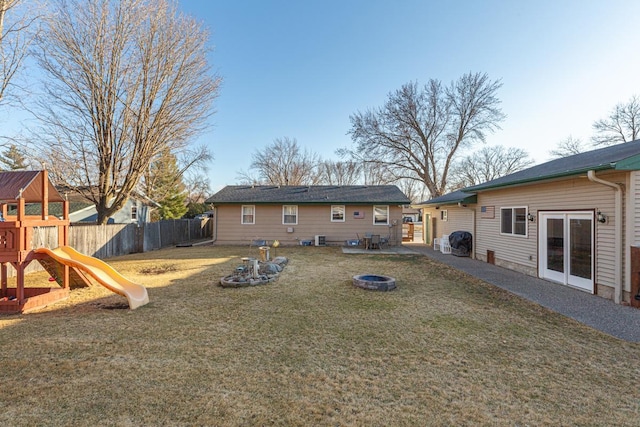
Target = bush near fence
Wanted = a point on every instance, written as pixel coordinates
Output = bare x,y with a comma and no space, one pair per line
109,240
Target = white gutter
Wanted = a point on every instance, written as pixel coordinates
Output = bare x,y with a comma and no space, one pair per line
617,296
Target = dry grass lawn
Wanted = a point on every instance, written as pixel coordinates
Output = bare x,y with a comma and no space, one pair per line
309,349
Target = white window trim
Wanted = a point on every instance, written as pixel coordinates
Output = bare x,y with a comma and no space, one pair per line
374,214
134,213
344,213
513,221
253,208
444,215
289,223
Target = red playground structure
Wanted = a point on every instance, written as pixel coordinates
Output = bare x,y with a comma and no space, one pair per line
17,190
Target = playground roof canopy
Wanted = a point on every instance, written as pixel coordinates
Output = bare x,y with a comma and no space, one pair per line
28,184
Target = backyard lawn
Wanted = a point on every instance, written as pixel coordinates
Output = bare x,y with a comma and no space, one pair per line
309,349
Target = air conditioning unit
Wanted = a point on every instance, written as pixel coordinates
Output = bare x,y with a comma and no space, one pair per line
321,240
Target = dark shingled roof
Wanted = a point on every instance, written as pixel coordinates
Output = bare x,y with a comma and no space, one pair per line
452,198
624,156
315,194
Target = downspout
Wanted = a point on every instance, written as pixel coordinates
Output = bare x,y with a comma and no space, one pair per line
617,296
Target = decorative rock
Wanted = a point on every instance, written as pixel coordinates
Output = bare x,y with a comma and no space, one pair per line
280,260
243,275
270,268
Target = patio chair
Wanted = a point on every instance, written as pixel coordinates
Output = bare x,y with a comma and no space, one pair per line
366,241
375,241
384,241
436,244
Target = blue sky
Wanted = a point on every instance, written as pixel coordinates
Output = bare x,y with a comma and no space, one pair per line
300,68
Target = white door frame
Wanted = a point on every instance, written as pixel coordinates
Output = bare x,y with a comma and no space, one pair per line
564,274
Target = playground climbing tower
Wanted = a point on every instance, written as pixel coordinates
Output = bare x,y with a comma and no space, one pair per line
33,192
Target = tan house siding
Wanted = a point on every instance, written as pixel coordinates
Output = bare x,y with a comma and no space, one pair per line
458,219
632,221
520,252
312,220
634,207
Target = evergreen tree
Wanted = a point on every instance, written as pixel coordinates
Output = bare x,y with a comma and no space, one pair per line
164,184
173,207
195,209
12,159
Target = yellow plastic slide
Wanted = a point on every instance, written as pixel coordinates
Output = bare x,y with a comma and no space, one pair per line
101,271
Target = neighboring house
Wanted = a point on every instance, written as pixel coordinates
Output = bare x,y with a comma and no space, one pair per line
81,210
572,220
410,214
294,214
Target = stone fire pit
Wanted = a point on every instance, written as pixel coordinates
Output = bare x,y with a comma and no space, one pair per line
374,282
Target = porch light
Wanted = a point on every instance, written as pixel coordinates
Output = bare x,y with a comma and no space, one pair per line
602,217
531,217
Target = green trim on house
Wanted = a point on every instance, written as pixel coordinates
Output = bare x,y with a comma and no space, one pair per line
492,185
630,163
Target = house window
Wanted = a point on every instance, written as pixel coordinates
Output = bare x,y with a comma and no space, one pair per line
380,215
134,213
337,213
290,214
248,214
513,221
444,214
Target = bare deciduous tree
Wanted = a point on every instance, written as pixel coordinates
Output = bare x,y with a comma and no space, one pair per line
413,189
283,163
489,163
16,23
375,173
248,178
198,188
419,131
568,147
339,173
127,80
622,125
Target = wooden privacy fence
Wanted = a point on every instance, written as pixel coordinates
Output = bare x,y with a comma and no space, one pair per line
105,241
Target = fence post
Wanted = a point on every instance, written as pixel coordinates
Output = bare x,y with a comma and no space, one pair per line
139,238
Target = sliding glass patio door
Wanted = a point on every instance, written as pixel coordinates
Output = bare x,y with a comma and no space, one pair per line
566,248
